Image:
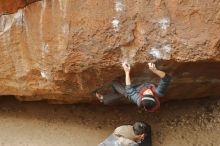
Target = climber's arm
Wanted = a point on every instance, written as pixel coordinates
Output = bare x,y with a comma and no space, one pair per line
153,68
131,92
127,73
164,81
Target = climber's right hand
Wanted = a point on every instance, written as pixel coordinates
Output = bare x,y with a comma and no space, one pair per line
126,67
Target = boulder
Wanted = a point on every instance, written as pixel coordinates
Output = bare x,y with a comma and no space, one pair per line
62,50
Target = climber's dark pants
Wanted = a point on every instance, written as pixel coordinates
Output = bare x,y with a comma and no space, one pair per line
119,92
147,138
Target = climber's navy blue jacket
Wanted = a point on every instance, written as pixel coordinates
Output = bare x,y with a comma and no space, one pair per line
160,89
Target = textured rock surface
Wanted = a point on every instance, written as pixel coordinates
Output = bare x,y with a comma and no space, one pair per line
11,6
61,50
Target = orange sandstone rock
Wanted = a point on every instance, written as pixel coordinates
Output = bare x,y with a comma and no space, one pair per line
62,50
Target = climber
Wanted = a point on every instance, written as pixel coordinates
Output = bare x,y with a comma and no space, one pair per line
146,95
138,134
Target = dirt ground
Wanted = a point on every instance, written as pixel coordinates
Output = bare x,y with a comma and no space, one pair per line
179,123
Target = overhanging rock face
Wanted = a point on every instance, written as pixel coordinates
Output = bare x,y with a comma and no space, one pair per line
62,50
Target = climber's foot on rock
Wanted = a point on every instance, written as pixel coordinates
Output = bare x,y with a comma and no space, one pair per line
99,96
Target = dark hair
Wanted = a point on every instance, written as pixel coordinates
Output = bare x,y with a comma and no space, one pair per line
141,128
148,104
